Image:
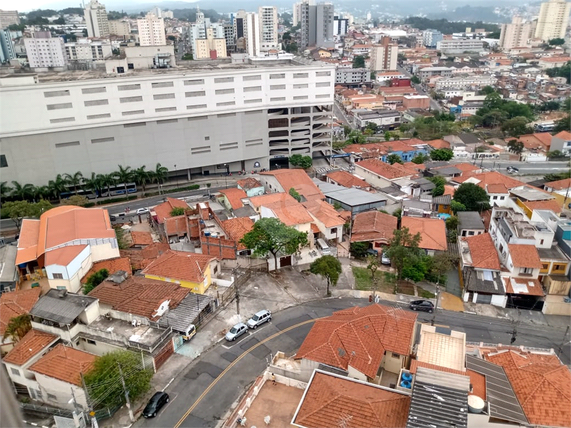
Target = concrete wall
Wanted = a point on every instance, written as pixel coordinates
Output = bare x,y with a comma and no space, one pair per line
556,305
371,178
72,273
391,363
60,392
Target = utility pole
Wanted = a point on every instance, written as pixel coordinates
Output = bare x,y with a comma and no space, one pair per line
78,410
126,393
94,423
237,292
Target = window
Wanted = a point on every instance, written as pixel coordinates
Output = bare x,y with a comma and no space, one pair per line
471,233
257,100
163,96
224,91
133,125
322,96
323,73
200,149
277,76
252,88
132,112
131,99
223,79
276,87
91,342
526,271
162,84
559,267
3,161
300,75
96,103
277,99
162,109
129,87
167,121
58,276
94,90
322,84
197,118
15,371
63,119
207,138
249,78
494,197
102,140
52,397
196,106
227,103
98,116
194,82
51,94
300,86
59,106
463,233
255,142
300,97
71,143
502,198
195,94
229,146
226,115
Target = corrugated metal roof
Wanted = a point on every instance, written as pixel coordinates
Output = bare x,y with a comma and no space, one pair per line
503,404
60,306
186,313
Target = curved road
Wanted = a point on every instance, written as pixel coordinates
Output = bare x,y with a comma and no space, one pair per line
206,389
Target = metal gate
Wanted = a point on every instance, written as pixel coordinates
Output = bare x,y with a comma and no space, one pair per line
484,298
285,261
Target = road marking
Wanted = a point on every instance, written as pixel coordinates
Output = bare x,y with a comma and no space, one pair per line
251,332
233,363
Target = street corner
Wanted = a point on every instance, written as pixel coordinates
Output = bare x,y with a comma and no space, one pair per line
450,302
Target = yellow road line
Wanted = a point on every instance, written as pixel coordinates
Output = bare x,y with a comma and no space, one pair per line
221,375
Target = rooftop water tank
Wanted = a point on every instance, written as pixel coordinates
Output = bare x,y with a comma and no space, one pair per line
475,404
206,233
405,384
406,376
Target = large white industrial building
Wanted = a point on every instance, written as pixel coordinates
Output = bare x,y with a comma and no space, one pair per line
192,120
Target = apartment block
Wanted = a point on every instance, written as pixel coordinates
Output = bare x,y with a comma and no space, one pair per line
8,17
553,20
249,116
88,50
464,82
352,76
210,47
45,51
458,46
430,38
96,19
316,24
268,16
151,31
119,28
517,34
340,26
7,51
384,55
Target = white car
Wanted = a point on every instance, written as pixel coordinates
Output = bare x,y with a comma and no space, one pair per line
259,318
385,259
142,211
236,331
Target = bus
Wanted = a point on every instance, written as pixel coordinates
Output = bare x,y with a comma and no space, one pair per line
119,189
545,127
89,194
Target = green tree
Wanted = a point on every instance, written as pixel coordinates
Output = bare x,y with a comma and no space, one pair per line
187,57
356,137
93,183
387,136
515,146
103,384
493,101
291,47
403,249
142,177
94,280
419,159
25,192
563,71
107,180
160,174
359,61
77,200
494,118
441,154
58,186
487,90
373,127
394,158
124,176
294,194
18,327
5,190
270,235
563,124
556,154
329,268
74,180
176,211
18,210
415,80
452,223
358,249
456,206
556,42
473,197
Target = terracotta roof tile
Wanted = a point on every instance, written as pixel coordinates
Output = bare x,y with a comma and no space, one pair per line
346,179
234,196
564,135
28,241
373,226
358,337
486,178
524,256
138,295
383,169
418,167
163,210
180,265
112,266
483,252
415,364
249,183
541,384
64,255
329,399
141,238
448,190
236,228
551,204
33,343
325,213
299,180
290,214
284,198
529,287
438,144
478,382
432,232
544,138
497,188
65,364
559,184
465,167
15,303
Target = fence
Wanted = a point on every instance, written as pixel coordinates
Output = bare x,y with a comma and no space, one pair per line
46,409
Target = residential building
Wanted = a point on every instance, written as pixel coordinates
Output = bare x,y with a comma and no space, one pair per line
213,115
96,19
428,72
7,51
8,17
430,38
553,20
464,82
64,243
151,31
561,142
352,199
352,76
210,47
86,50
380,174
282,180
470,223
45,51
459,46
561,187
119,28
251,186
384,119
340,26
316,24
9,274
189,270
346,179
170,225
327,220
374,227
12,305
232,198
432,233
296,13
518,33
268,16
384,55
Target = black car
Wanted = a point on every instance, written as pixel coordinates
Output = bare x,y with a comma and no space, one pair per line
512,169
155,404
422,305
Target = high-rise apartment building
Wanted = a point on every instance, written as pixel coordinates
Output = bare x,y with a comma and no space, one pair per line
151,31
250,116
86,50
96,19
430,38
8,17
252,34
340,26
7,51
384,55
45,51
553,20
316,24
268,16
119,28
211,47
516,34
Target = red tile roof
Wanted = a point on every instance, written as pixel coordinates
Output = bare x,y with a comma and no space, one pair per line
432,232
138,295
325,213
438,144
28,241
290,214
141,238
564,135
551,204
497,188
478,382
358,337
180,265
112,266
529,287
234,197
249,183
329,400
524,256
466,167
415,364
236,228
483,252
299,180
15,303
33,343
373,226
486,178
65,364
343,178
544,138
449,190
163,210
541,384
559,184
383,169
283,197
64,255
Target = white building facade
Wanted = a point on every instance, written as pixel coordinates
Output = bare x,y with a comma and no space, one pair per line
96,19
457,46
553,20
88,50
268,27
151,31
45,51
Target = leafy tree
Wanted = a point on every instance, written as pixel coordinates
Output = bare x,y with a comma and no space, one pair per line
17,27
556,154
556,177
403,249
387,136
160,174
394,158
142,177
515,110
487,90
494,35
107,180
171,38
359,61
286,36
58,186
103,380
94,280
419,159
77,200
355,137
493,118
124,175
291,48
18,327
563,124
452,223
270,235
18,210
187,57
372,265
473,197
372,126
4,190
415,80
563,71
176,211
493,101
93,183
441,154
556,42
329,268
60,21
25,192
294,194
549,106
417,270
456,206
515,146
358,249
437,180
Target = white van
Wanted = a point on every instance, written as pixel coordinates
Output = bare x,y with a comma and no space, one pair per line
323,246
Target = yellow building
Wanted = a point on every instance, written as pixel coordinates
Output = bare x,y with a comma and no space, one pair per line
211,47
189,270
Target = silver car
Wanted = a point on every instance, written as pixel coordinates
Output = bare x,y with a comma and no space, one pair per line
236,331
259,318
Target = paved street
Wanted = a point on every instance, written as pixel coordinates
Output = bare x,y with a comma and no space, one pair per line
205,390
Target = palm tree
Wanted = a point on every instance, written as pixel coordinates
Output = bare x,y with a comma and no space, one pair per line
18,327
124,175
24,192
107,180
93,183
4,190
58,186
160,173
42,192
74,180
142,177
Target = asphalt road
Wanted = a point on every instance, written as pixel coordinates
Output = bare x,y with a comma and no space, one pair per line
205,390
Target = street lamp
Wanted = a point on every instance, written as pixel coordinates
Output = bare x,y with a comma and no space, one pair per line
227,174
176,175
